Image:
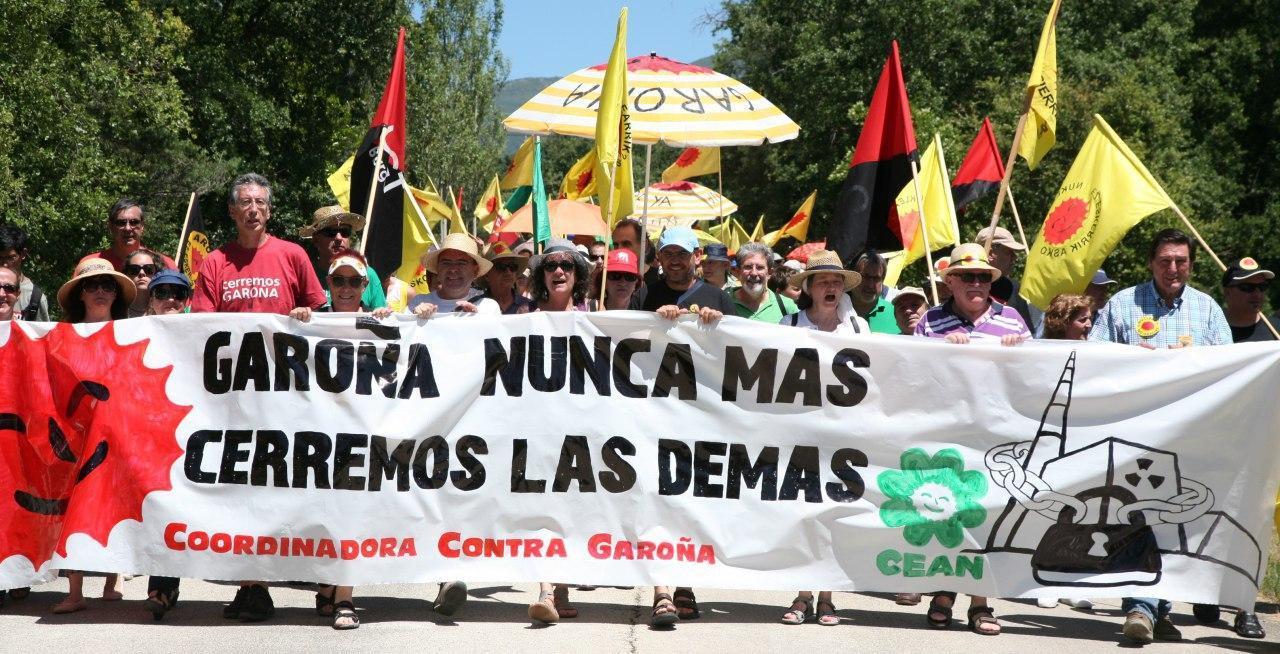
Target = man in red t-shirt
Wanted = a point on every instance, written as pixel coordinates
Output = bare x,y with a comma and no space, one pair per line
125,224
257,272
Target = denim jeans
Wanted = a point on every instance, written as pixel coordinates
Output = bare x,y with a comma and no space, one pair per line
1148,606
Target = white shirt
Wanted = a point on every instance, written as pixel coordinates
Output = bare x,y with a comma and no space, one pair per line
484,306
845,325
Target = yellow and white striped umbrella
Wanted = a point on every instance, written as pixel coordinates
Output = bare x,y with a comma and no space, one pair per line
682,203
671,102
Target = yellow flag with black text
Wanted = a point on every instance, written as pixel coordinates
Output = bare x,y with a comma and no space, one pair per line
613,134
1039,135
1106,192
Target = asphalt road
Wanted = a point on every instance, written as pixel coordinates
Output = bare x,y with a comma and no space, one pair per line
399,618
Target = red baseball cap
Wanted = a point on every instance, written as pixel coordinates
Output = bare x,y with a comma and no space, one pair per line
623,261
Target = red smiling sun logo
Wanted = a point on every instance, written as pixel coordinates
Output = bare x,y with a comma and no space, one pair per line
687,157
86,433
1065,220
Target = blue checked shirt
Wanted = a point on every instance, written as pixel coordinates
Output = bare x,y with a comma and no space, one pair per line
1192,314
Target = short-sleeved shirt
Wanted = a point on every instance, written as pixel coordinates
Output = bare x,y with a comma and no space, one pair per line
275,277
997,321
854,324
373,297
880,318
1192,315
519,304
484,306
1257,332
118,263
772,308
651,297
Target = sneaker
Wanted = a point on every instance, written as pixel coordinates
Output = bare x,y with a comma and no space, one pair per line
257,605
232,610
1137,627
1082,604
451,598
1206,613
1047,602
1165,630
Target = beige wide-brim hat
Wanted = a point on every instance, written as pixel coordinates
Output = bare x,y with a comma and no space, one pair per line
94,268
331,216
461,243
970,257
501,250
826,261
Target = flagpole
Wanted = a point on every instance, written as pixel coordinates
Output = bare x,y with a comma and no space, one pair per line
373,186
1008,173
924,225
644,212
1016,218
186,222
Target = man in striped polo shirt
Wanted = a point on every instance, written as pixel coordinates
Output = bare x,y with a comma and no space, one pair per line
971,313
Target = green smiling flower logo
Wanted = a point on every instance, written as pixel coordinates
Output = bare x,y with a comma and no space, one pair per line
932,496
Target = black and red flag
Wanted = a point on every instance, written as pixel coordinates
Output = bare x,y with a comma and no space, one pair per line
881,166
384,235
981,171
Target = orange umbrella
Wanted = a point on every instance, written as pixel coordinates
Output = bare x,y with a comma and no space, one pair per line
567,217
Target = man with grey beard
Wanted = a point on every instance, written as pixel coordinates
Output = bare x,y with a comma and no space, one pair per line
753,299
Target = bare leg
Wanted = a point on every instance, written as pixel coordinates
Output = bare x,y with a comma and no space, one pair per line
74,601
109,590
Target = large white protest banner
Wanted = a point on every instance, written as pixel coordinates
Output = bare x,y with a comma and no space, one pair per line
618,448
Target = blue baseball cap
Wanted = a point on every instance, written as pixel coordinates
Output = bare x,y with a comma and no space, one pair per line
170,276
682,237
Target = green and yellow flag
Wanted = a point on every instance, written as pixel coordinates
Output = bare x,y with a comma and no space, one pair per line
580,181
1042,87
1106,192
613,134
520,170
938,217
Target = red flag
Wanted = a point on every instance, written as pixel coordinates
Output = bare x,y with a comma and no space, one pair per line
981,171
384,236
880,167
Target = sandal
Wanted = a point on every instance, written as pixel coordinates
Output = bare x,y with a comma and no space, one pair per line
828,617
561,599
160,603
983,621
544,610
344,616
687,604
664,611
324,600
937,609
799,615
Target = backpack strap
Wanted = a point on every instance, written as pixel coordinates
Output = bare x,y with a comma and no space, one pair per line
781,307
853,320
33,305
795,319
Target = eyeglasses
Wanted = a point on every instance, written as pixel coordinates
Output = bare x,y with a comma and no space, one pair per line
170,292
975,278
332,232
338,281
132,269
11,289
506,267
100,283
1252,288
623,277
127,222
563,265
595,257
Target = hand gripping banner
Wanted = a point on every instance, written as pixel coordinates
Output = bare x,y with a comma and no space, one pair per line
618,448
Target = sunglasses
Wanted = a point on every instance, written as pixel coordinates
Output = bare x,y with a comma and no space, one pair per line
595,257
623,277
564,266
127,222
98,284
170,292
338,281
1251,288
332,232
9,288
132,269
972,278
506,267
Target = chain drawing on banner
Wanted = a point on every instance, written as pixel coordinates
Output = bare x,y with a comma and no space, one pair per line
1115,534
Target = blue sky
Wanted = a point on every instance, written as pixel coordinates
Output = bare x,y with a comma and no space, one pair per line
538,42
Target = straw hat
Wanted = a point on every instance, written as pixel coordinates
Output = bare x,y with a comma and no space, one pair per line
94,268
462,243
826,261
331,216
501,250
970,257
